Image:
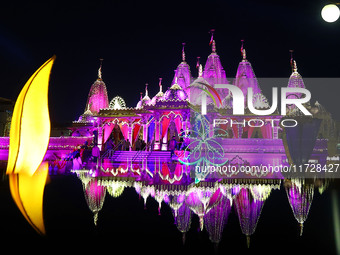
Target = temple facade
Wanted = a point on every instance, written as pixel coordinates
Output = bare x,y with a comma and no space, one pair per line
155,119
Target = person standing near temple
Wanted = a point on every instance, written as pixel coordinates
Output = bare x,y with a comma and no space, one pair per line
138,144
181,139
77,163
172,146
127,145
95,153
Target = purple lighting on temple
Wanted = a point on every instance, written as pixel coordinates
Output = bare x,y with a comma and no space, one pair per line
248,211
97,98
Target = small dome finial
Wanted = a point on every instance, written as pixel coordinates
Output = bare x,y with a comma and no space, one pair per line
198,62
294,67
243,52
100,69
291,60
244,55
141,95
213,48
160,85
146,90
200,71
212,36
183,53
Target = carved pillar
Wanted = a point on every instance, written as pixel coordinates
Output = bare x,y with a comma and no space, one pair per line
100,135
145,128
130,133
275,130
165,138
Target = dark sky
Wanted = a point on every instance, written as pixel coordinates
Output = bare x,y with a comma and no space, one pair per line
141,41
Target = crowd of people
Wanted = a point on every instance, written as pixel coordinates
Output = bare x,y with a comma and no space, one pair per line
90,154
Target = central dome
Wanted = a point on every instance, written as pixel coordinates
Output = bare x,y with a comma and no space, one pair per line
175,93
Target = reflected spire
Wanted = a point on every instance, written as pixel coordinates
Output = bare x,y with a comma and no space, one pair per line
300,196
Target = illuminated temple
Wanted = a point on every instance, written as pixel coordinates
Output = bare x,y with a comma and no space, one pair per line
175,112
156,119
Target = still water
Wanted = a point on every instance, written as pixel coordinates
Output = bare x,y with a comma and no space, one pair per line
139,215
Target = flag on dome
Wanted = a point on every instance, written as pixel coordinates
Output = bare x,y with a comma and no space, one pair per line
212,36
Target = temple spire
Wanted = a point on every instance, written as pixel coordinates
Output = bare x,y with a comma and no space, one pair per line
160,85
213,48
212,36
243,52
291,60
244,56
100,69
183,53
212,41
146,90
200,71
294,67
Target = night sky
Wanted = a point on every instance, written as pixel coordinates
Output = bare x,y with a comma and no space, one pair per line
141,41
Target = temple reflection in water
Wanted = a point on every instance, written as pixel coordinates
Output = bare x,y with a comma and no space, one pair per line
135,144
113,147
211,201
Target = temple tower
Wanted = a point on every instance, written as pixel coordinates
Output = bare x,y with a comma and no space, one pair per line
97,98
182,73
213,69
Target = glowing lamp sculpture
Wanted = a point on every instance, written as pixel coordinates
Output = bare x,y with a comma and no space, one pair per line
330,13
29,138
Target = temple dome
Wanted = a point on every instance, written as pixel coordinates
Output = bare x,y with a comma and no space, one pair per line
144,100
245,76
159,96
213,69
295,81
182,73
195,93
175,92
97,98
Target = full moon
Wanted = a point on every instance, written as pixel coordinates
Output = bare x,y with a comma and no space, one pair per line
330,13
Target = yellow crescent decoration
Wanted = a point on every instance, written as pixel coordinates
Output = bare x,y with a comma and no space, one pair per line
29,138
